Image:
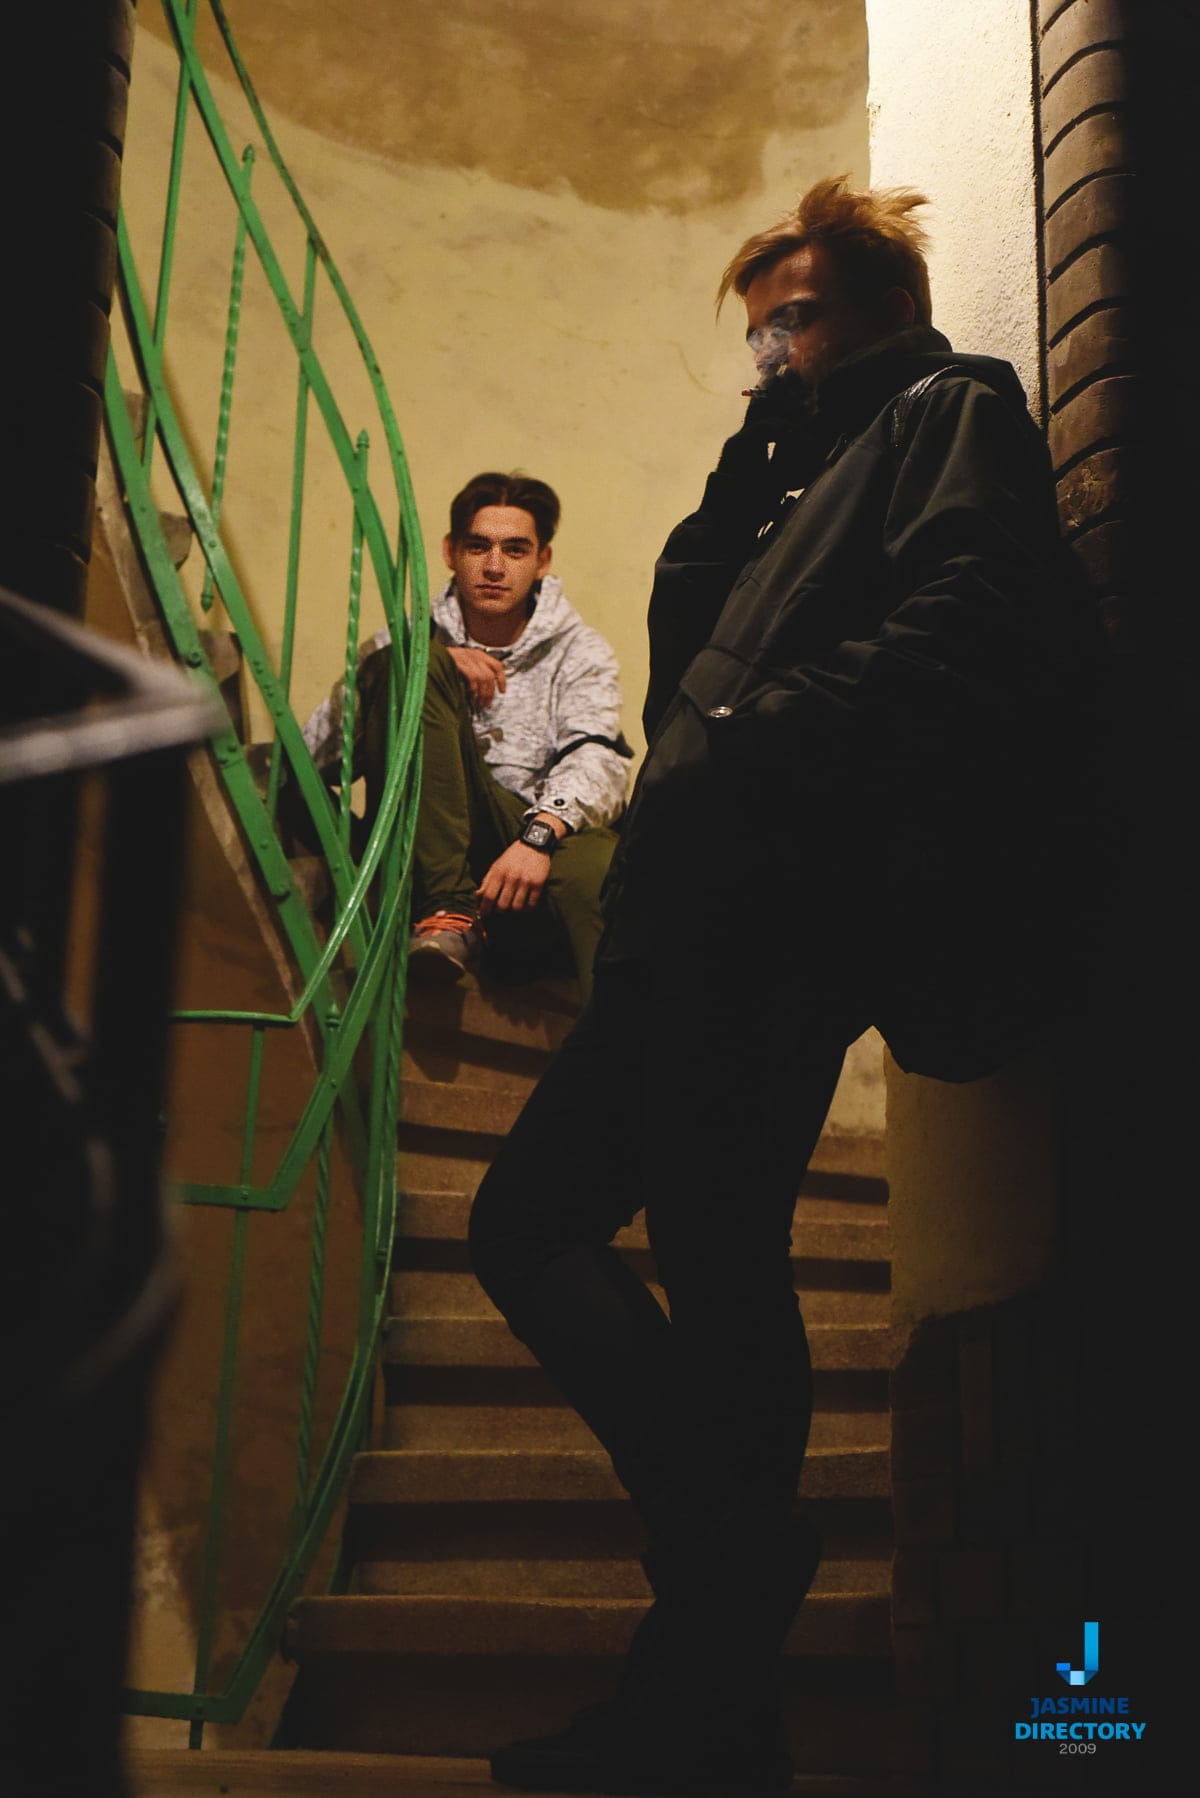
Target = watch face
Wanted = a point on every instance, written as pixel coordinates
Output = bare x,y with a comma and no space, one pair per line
537,834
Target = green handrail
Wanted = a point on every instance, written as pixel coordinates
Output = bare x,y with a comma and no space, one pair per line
350,966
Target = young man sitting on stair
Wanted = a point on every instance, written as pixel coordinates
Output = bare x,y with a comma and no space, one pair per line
524,764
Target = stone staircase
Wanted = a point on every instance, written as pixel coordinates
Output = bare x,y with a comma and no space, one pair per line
495,1579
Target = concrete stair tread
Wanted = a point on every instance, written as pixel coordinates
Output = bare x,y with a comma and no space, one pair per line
552,1577
315,1773
434,1292
435,1624
298,1772
537,1016
438,1169
418,1339
178,534
823,1229
427,1476
460,1106
451,1427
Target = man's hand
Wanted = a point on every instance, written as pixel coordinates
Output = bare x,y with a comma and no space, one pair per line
515,880
751,477
483,674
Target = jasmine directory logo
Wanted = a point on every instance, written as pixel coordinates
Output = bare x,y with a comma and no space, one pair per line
1094,1718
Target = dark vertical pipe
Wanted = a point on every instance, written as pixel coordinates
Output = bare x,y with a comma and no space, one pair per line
1116,85
64,80
69,1498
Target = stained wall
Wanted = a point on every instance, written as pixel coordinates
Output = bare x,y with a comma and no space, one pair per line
532,218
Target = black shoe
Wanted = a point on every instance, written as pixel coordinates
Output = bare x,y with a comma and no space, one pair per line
695,1714
607,1749
726,1602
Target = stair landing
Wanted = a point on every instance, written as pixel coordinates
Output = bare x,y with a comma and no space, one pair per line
299,1773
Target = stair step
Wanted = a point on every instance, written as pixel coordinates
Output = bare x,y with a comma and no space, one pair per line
537,1016
301,1772
454,1162
552,1577
488,1426
436,1476
490,1111
224,652
380,1703
310,875
446,1061
452,1105
309,1773
528,1387
432,1293
420,1340
570,1549
831,1623
178,533
824,1228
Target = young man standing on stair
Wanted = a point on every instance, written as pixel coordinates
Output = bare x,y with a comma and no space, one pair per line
524,764
863,654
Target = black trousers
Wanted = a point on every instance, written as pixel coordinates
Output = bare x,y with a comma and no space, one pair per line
696,1091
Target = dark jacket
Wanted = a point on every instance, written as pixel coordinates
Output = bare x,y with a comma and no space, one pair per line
869,729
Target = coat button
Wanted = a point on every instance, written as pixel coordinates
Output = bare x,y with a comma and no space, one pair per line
720,711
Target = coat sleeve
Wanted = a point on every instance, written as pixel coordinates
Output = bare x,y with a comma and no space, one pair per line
586,779
693,576
977,645
774,453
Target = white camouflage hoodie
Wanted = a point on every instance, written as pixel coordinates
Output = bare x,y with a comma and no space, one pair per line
554,736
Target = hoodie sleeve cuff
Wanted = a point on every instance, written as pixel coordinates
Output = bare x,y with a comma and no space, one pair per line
555,806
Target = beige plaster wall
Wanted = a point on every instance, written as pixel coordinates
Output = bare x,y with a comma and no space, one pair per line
532,219
950,103
972,1169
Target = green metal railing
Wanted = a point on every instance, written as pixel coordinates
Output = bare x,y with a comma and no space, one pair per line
348,960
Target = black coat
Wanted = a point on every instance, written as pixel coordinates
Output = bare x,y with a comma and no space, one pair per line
869,738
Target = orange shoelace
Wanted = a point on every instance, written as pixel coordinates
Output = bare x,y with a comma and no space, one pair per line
458,921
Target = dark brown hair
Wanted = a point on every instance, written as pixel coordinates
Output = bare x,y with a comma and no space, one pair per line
515,489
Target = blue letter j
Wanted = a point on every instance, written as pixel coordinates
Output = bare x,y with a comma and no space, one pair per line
1079,1676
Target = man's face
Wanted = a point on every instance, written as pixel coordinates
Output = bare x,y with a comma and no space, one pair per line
797,316
494,566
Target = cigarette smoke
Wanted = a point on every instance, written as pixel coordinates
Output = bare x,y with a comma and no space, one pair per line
769,347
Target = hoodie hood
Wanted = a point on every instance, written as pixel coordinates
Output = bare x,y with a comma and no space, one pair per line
811,421
552,617
866,380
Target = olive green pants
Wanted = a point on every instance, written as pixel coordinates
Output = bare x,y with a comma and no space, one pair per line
466,819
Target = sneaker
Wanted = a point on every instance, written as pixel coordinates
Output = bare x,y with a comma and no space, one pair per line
444,946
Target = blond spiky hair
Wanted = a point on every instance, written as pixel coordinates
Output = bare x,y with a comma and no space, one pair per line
876,242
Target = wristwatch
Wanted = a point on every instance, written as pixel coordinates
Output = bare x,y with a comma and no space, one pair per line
539,835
